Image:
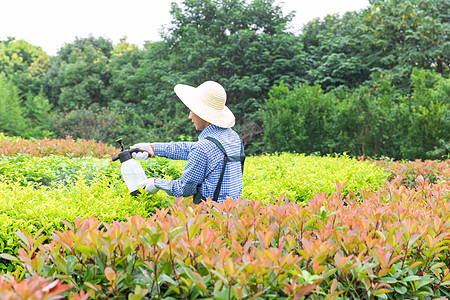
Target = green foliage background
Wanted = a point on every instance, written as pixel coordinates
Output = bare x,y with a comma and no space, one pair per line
362,83
372,120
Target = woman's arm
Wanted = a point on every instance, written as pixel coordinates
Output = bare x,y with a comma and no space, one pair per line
173,150
193,175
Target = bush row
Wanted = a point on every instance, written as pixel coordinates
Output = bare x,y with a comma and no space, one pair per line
373,120
48,170
352,241
34,208
38,192
11,146
301,177
431,170
389,243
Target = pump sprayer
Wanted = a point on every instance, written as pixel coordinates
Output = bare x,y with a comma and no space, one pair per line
132,172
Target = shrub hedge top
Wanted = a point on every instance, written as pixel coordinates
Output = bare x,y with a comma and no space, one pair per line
67,147
301,177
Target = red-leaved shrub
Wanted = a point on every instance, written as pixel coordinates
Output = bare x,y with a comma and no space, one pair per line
66,147
36,288
390,241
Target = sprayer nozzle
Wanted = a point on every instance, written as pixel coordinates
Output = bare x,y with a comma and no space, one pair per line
119,141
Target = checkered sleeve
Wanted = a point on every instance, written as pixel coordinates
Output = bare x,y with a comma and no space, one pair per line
193,175
174,150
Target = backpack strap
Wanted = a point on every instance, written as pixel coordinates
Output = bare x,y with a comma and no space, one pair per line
226,159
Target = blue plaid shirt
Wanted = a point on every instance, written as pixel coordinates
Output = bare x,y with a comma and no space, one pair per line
204,165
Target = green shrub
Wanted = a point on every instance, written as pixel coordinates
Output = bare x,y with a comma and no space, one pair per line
28,117
9,240
371,120
301,177
429,118
48,170
36,109
297,120
40,192
365,122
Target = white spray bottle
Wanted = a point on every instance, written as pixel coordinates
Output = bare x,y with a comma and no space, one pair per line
132,172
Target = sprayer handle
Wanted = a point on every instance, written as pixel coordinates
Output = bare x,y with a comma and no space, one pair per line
141,154
136,150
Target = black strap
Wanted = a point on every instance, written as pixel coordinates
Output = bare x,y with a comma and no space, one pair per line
226,159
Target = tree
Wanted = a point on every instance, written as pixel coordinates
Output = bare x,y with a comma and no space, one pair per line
298,120
403,35
428,133
11,113
24,64
79,75
123,63
243,45
334,52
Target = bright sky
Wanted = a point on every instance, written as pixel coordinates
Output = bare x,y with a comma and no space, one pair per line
52,23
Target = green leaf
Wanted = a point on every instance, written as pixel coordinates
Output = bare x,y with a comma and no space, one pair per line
410,278
400,289
437,265
175,289
312,228
423,282
87,250
23,238
9,257
60,264
71,262
164,278
390,280
197,279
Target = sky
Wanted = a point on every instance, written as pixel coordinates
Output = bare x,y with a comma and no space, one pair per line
50,24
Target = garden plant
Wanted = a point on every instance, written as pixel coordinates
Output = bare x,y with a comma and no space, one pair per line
378,234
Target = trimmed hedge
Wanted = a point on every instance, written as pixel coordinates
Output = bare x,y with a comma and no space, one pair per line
389,243
12,146
301,177
362,238
40,192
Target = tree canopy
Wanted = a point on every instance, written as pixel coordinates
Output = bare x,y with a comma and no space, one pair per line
244,45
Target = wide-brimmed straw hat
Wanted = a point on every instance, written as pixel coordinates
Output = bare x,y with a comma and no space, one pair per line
208,102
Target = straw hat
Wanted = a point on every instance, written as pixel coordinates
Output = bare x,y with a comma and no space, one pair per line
208,102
